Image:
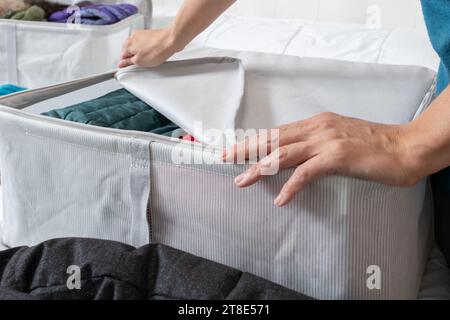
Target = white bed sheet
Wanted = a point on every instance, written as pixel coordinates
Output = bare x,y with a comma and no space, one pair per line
342,41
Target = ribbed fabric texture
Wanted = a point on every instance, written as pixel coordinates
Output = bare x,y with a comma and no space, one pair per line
98,181
66,182
320,245
80,183
28,58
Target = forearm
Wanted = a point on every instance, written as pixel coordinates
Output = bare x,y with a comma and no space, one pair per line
427,139
194,17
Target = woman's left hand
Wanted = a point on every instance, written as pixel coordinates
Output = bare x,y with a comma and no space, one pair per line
330,144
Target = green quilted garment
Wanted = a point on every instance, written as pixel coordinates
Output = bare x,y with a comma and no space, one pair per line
120,110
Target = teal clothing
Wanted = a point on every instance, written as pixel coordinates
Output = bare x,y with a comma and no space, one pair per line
437,17
9,88
120,110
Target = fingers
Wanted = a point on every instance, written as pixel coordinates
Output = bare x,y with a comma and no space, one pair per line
126,49
305,143
310,170
260,145
284,157
306,173
303,130
125,63
126,55
253,147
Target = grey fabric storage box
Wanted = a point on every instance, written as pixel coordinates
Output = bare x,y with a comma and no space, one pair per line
63,179
37,54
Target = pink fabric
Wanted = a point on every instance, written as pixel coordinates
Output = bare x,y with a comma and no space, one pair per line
188,137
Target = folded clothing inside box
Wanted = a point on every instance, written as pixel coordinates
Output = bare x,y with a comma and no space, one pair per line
85,12
120,110
95,14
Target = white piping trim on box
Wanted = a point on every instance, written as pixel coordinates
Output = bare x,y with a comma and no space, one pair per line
63,27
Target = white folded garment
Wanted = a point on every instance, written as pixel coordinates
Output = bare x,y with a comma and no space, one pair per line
262,91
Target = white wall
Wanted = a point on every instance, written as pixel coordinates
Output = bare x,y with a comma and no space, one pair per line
392,13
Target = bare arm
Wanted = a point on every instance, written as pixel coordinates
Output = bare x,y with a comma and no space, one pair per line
194,17
428,138
152,47
398,155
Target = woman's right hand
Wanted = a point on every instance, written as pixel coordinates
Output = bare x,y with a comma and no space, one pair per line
148,48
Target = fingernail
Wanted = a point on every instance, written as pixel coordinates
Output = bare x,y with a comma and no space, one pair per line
239,179
280,200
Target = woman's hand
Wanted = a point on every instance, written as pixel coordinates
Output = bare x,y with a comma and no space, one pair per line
148,48
330,144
